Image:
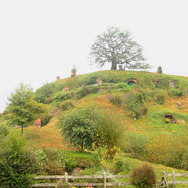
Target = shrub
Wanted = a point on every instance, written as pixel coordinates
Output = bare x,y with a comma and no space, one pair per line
109,134
143,176
72,83
177,92
4,131
116,99
67,105
134,103
45,119
122,166
144,110
16,163
168,150
135,144
61,96
78,126
44,92
84,91
160,97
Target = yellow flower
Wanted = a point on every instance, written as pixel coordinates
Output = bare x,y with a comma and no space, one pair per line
173,131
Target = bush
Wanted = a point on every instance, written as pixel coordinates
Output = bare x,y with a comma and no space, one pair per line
84,91
109,135
45,119
116,99
16,163
177,92
135,144
134,103
67,105
144,110
44,92
169,150
72,83
78,126
61,96
4,131
160,97
143,176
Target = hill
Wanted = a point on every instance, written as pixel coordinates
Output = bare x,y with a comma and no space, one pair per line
152,107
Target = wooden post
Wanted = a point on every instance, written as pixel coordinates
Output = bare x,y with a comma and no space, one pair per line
164,179
173,179
66,178
104,179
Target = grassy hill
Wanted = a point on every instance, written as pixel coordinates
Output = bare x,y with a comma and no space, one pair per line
150,136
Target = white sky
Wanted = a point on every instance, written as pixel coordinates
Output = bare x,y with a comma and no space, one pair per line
42,39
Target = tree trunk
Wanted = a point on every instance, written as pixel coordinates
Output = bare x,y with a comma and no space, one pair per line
114,65
22,128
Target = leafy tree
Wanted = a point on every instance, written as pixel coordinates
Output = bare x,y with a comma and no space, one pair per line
44,93
79,126
116,47
139,65
22,108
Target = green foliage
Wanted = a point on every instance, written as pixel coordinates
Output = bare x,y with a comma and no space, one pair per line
4,131
78,126
67,105
44,93
45,119
122,165
143,176
62,96
16,163
177,92
135,144
122,86
160,96
169,150
162,82
110,47
22,107
84,91
134,103
116,99
72,83
109,134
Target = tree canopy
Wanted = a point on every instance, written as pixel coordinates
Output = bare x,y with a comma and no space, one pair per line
22,108
118,48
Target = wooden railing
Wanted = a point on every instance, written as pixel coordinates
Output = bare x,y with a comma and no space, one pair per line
174,181
66,179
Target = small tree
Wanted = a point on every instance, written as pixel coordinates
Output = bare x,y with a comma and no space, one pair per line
22,108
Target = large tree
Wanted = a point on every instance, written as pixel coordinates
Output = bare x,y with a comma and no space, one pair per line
22,108
116,47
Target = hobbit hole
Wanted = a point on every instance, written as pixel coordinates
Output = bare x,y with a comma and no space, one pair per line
168,118
132,82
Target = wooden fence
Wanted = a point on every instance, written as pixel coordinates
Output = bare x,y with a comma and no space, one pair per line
67,178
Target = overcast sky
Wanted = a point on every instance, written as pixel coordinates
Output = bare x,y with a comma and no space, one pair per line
42,39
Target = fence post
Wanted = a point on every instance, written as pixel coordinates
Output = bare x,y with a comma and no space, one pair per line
104,179
174,179
66,178
164,179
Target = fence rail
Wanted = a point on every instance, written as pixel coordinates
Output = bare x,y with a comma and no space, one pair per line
66,178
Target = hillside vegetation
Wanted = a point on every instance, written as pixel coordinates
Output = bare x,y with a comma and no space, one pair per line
142,106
